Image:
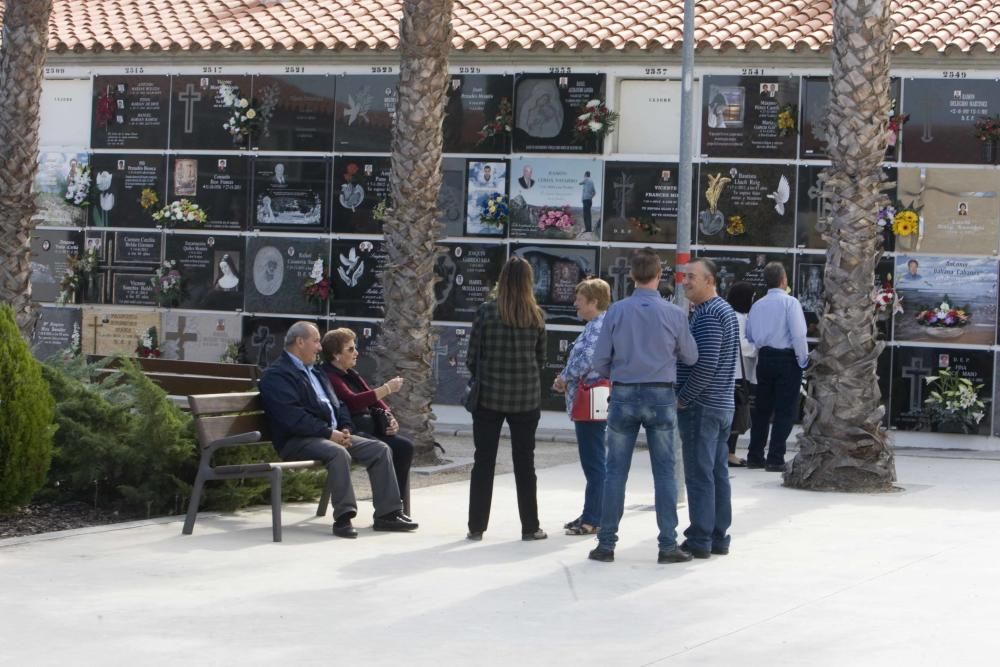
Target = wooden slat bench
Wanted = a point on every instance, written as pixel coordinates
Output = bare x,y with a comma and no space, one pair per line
185,378
234,420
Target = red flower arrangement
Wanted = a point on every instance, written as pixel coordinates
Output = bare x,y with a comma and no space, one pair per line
988,128
595,120
943,316
501,123
317,286
105,109
149,345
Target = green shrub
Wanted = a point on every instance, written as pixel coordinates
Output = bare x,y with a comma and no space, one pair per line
26,412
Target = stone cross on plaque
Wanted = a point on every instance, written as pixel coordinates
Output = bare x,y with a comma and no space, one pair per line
440,351
619,278
189,97
181,337
916,372
94,324
263,340
623,188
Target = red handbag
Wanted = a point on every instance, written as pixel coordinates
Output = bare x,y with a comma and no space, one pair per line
591,401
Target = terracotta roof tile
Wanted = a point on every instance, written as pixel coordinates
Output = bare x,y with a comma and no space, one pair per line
214,25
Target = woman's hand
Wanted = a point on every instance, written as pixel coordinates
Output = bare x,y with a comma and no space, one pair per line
394,385
559,385
393,428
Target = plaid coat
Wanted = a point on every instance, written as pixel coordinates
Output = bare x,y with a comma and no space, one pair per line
510,364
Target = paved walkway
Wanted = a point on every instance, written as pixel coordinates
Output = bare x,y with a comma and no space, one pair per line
820,579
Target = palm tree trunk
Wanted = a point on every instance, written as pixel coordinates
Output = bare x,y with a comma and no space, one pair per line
843,447
22,55
411,228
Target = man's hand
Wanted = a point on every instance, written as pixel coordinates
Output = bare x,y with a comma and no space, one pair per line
559,385
342,438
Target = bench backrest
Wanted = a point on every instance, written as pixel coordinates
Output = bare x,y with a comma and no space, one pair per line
185,378
218,416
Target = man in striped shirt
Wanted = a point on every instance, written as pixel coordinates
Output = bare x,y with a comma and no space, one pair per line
705,412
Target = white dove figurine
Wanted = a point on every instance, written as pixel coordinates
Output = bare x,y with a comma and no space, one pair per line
781,195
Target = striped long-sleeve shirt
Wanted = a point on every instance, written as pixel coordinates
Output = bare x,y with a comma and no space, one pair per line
709,382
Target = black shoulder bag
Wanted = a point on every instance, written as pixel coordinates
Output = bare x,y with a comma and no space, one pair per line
741,415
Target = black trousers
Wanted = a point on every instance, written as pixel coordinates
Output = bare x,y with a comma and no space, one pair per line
779,378
402,457
486,425
587,223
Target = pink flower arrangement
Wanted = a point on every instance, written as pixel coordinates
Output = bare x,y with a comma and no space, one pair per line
556,218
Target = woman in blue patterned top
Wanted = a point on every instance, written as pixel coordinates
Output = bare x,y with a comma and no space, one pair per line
593,296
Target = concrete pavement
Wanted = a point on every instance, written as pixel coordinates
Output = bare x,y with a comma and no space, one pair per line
813,578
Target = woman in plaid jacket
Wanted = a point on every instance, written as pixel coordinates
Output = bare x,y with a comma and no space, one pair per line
506,355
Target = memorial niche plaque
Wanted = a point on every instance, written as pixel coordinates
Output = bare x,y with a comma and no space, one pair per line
910,389
108,332
212,268
138,247
809,289
361,194
943,116
130,112
277,269
448,370
451,197
61,189
813,209
218,184
815,100
485,180
474,102
290,193
199,336
130,288
744,204
556,198
557,348
640,200
50,250
925,282
557,271
960,210
616,264
354,275
296,112
56,330
746,267
126,190
742,116
198,113
264,338
546,108
366,111
467,274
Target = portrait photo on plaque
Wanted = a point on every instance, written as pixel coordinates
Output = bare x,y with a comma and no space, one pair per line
365,112
290,193
640,202
199,113
556,198
211,269
277,268
478,115
809,289
558,345
813,209
747,204
451,196
206,337
815,101
487,207
130,112
959,210
57,330
126,190
108,331
943,115
557,270
547,108
616,265
749,116
52,252
946,299
218,184
62,188
296,111
913,408
264,338
747,267
361,196
448,369
354,275
467,273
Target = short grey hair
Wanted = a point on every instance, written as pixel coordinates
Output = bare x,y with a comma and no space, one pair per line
298,330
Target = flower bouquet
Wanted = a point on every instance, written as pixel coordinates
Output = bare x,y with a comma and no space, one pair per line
788,120
148,199
644,225
594,121
168,284
493,211
232,353
988,128
316,288
78,269
944,321
181,211
381,210
906,225
735,226
953,400
78,187
149,345
499,127
555,218
896,123
887,300
244,119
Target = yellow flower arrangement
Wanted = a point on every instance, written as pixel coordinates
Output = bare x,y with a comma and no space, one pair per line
905,223
735,226
149,198
786,120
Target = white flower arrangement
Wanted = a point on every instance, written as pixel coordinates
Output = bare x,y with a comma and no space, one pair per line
182,211
78,187
244,119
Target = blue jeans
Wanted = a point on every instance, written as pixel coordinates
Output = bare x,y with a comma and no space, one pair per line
704,440
593,460
655,409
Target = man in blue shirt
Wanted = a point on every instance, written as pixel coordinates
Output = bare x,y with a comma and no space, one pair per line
776,326
642,338
705,412
308,422
587,194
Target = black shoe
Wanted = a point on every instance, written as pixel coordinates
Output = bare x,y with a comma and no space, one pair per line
602,554
675,555
474,536
537,535
720,551
393,523
343,528
775,467
755,465
696,553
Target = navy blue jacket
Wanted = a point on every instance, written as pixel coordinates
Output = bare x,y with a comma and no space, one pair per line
291,406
